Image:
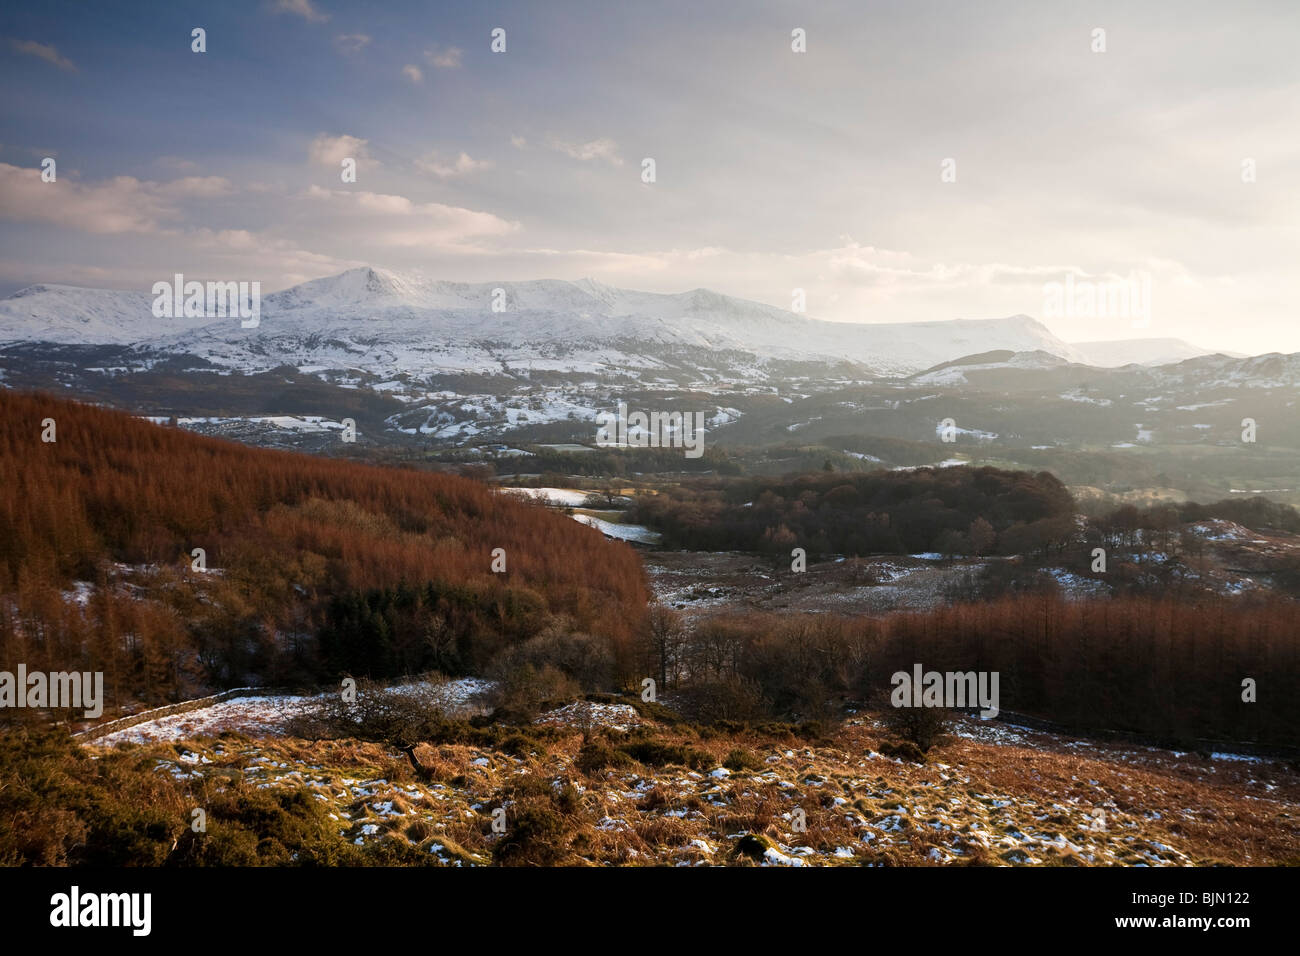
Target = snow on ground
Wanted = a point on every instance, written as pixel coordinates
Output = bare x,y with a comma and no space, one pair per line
1218,529
946,463
270,715
250,715
81,593
1076,584
583,713
563,497
303,423
568,447
455,696
1076,395
887,572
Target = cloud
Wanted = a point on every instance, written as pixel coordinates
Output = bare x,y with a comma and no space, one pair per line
350,44
120,205
327,150
412,73
383,219
605,149
46,52
301,8
882,270
518,142
240,251
463,165
196,187
448,59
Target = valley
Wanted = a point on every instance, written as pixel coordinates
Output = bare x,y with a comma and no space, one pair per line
502,581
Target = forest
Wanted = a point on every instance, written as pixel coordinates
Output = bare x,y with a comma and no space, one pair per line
980,510
98,529
1157,667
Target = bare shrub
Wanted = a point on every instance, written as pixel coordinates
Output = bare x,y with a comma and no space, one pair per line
523,688
401,717
729,698
923,727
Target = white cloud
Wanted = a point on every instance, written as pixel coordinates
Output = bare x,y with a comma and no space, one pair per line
240,251
123,204
412,73
199,187
386,220
327,150
605,149
350,44
301,8
446,59
463,165
46,52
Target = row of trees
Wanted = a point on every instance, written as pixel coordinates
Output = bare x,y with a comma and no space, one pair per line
953,510
1126,524
1158,667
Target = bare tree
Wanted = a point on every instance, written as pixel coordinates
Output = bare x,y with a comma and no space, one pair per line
399,717
667,639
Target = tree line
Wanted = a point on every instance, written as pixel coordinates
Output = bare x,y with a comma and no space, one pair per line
946,510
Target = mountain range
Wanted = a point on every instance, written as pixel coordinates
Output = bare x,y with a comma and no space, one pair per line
429,367
390,323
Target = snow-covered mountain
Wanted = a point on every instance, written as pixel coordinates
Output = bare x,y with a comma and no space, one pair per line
1117,352
417,360
956,372
70,315
393,323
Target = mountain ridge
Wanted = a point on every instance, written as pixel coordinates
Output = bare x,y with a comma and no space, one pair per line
406,322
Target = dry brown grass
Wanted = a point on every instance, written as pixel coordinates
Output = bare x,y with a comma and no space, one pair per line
1027,798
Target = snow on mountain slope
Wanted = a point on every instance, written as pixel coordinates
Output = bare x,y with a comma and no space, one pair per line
1207,372
954,373
373,318
74,316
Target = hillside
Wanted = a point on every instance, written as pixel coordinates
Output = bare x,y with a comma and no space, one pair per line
611,782
307,561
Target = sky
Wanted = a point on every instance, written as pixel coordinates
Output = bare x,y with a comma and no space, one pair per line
917,161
